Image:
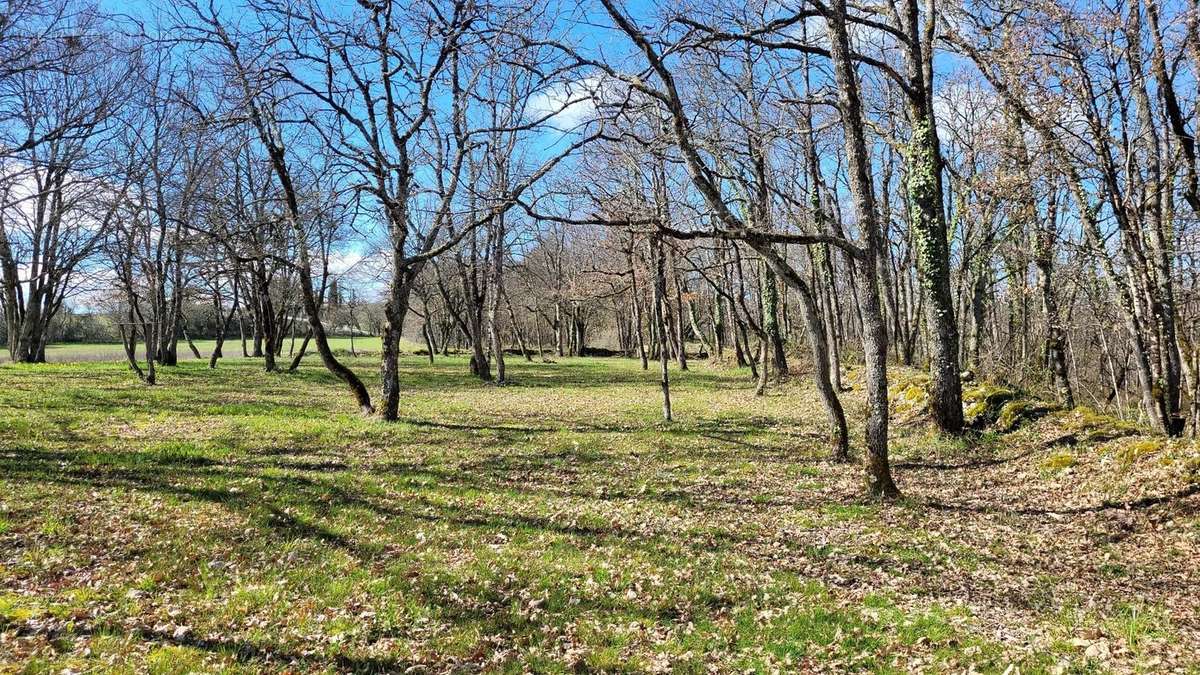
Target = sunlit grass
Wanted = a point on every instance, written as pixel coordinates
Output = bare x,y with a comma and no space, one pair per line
235,520
232,349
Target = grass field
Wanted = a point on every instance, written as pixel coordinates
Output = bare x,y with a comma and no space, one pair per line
238,521
102,351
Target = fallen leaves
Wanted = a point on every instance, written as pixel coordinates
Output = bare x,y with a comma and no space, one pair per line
544,528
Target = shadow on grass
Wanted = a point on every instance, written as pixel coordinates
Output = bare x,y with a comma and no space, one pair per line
242,388
241,651
276,506
1105,505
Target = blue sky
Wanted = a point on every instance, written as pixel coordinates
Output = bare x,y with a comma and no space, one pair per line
592,31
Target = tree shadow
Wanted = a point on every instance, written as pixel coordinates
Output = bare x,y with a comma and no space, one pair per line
456,426
240,650
1105,505
268,509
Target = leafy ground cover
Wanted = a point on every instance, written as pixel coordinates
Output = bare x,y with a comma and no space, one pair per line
237,521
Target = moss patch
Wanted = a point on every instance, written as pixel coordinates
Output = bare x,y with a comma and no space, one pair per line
1059,461
982,404
1090,426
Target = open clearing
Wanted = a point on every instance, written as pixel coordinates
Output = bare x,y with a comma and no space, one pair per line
109,351
238,521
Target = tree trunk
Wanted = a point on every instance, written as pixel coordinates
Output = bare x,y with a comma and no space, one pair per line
874,334
516,328
635,301
191,345
298,357
394,312
929,230
820,352
660,319
1055,348
497,288
428,340
678,327
220,341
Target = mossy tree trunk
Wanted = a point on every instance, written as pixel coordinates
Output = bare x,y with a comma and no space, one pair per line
929,229
927,220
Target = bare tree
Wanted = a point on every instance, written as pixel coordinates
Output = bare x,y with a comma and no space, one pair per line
54,176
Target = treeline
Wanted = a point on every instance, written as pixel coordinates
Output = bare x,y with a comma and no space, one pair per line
981,190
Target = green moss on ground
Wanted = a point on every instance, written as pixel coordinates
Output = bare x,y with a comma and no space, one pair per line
1089,426
982,403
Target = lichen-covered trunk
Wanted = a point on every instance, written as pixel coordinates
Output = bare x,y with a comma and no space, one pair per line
770,313
874,339
978,314
929,229
823,270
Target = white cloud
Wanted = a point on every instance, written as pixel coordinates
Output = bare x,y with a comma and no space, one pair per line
365,271
566,105
343,262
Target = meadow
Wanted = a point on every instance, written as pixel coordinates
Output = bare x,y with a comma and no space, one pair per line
75,352
240,521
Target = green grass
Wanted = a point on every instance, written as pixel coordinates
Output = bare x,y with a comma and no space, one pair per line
240,521
102,351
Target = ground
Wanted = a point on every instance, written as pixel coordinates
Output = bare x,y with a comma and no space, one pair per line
239,521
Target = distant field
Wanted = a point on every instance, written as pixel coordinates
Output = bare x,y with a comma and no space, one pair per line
100,351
